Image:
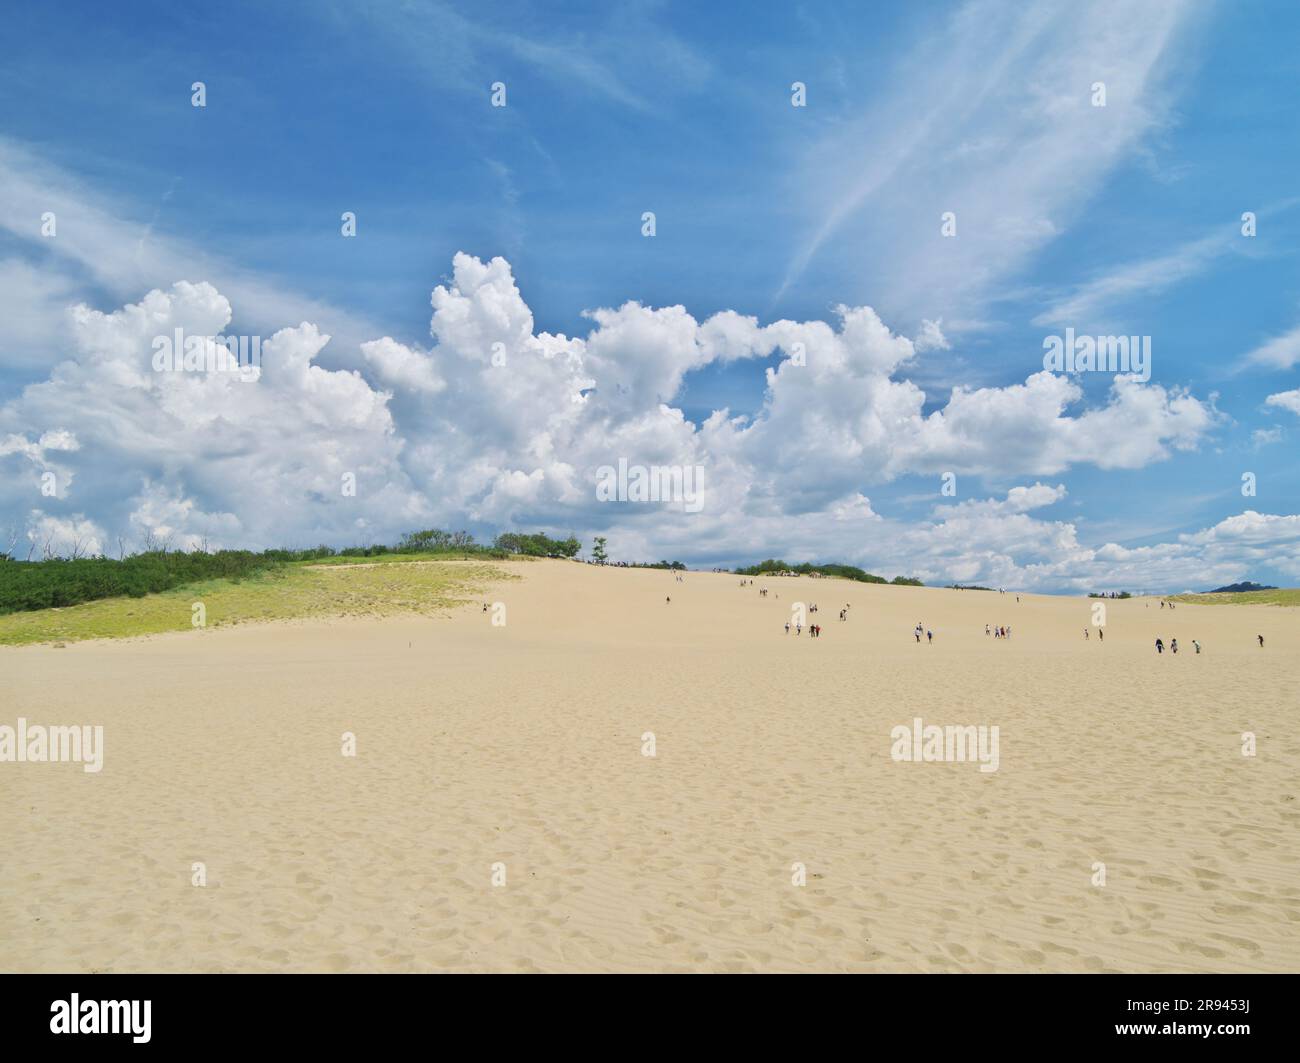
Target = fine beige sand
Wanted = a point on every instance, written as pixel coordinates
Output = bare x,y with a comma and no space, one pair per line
522,746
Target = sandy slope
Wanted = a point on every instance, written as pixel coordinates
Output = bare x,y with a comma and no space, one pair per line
522,744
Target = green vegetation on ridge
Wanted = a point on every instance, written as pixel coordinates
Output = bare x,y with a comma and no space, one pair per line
154,591
772,566
396,583
58,582
1276,596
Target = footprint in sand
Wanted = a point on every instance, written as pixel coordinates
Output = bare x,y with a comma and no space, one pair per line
1162,881
1237,943
1196,947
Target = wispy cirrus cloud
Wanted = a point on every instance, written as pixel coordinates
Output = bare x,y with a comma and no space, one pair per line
100,247
625,58
1150,276
1100,294
994,123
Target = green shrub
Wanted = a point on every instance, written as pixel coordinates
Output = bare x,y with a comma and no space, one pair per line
830,569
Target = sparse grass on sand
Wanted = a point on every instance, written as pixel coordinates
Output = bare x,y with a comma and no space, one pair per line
400,559
1278,596
331,587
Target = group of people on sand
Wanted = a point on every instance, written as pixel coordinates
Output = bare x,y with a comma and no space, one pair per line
998,632
815,630
1101,634
917,631
1173,645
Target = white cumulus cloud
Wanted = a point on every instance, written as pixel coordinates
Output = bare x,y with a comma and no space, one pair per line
497,425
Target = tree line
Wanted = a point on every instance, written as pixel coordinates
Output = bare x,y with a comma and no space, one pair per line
804,568
57,582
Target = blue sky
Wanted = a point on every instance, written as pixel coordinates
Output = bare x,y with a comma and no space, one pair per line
1115,220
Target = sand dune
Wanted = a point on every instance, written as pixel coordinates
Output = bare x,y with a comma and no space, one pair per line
521,745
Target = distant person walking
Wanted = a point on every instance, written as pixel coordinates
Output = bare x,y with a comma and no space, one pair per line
1160,646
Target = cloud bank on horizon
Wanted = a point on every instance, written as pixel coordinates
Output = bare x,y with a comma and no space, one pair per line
502,426
897,413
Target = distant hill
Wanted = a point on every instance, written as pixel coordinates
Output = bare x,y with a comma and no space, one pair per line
1241,588
1276,596
773,567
